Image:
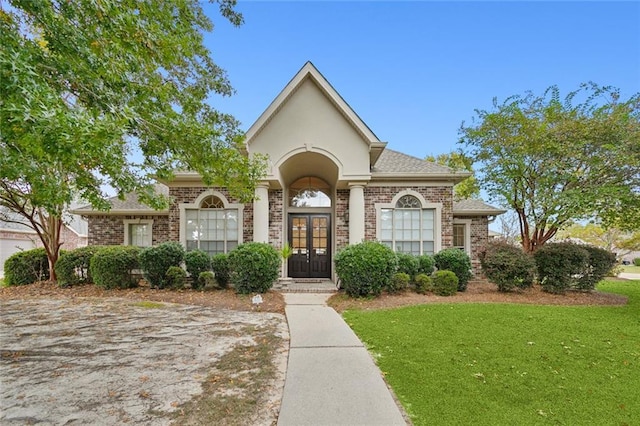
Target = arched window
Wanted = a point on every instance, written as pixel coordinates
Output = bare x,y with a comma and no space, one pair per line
408,228
211,227
309,192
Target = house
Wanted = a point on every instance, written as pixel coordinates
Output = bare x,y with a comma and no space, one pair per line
16,236
330,182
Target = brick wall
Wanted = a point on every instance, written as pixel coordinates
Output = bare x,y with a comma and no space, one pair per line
479,238
342,227
109,230
276,209
384,194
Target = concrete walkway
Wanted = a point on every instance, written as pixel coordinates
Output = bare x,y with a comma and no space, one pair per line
331,378
629,276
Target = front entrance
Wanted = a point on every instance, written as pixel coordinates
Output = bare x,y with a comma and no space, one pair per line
310,239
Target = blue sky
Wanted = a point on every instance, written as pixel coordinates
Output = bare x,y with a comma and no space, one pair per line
413,71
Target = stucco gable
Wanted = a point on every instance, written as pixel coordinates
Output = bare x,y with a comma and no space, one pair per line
310,73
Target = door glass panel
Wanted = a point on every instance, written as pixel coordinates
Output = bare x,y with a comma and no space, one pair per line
299,235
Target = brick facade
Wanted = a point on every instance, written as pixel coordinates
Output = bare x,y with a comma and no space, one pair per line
109,230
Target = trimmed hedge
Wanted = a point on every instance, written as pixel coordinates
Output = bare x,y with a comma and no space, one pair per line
26,267
221,269
456,261
424,284
600,263
73,267
205,279
155,262
636,261
445,283
176,277
113,266
196,262
426,264
560,265
254,266
408,264
399,282
365,268
507,266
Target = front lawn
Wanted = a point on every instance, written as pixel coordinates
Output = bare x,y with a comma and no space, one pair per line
631,269
503,364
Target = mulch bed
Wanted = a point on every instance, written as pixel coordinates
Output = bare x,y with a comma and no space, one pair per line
478,292
224,299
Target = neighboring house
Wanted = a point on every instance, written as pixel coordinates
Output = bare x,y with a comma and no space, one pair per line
330,182
15,237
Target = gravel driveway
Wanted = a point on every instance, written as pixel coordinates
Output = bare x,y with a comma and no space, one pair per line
113,361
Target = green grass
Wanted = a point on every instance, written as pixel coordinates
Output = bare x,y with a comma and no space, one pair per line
2,283
632,269
507,364
147,304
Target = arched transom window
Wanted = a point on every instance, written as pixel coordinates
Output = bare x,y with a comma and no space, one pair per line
212,227
309,192
408,228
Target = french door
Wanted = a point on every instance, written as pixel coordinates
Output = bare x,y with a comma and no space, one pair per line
310,239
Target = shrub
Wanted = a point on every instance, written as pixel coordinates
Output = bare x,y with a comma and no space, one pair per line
155,262
197,262
560,265
426,264
408,264
254,267
73,267
636,261
365,268
176,277
220,265
424,284
26,267
600,263
205,279
507,266
399,282
456,261
112,267
445,283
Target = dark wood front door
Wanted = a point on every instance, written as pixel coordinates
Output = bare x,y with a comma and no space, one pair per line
310,239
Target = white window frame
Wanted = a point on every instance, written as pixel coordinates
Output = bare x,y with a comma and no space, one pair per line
127,231
437,216
196,206
467,233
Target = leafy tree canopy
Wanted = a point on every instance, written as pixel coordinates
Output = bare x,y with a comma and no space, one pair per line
458,161
554,160
609,239
113,93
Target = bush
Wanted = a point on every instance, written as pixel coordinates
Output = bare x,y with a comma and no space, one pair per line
408,264
456,261
155,262
507,266
205,279
26,267
445,283
399,282
365,268
220,265
112,267
176,277
73,267
254,267
197,262
600,263
426,264
424,284
636,261
560,265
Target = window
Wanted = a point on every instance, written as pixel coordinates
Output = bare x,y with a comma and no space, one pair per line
210,225
137,232
309,192
408,227
462,235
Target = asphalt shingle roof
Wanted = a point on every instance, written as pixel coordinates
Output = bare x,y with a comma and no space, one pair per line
472,205
130,201
391,161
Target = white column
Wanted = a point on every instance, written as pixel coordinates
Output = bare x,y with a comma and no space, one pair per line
356,213
261,214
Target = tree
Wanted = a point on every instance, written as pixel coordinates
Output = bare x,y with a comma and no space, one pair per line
611,239
554,161
110,93
458,161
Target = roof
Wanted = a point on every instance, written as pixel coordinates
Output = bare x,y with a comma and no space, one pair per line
130,204
472,207
394,165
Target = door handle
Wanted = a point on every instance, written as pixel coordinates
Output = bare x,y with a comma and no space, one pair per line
307,256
